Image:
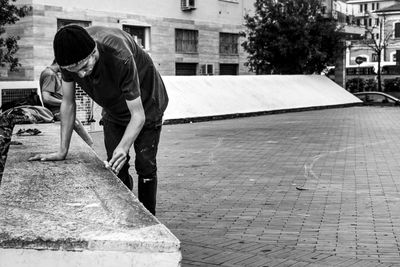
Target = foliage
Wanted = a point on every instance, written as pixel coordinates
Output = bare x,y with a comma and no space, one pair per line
355,85
361,85
392,85
10,14
377,46
290,37
370,85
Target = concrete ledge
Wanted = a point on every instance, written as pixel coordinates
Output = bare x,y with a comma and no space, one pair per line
74,212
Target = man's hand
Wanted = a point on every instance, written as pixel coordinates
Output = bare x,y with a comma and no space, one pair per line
118,160
48,157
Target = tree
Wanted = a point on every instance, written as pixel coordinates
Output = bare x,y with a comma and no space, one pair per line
10,14
378,45
290,37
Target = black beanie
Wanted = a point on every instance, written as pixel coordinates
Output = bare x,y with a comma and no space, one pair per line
71,44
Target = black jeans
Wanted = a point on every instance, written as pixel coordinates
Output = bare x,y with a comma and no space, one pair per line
146,146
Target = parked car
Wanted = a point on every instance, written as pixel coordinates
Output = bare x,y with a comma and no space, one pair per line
378,99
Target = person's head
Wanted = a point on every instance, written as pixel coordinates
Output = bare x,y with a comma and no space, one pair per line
75,50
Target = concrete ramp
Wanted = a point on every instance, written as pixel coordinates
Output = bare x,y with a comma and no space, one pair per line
204,96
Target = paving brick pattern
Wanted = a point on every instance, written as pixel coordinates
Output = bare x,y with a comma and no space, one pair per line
313,188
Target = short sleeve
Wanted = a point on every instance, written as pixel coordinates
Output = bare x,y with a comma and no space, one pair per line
49,83
129,79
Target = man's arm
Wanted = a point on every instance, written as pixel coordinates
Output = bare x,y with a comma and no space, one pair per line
68,112
49,99
133,129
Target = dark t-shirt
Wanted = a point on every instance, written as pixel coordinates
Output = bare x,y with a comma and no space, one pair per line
123,72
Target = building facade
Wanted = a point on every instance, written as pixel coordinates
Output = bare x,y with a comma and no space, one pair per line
372,33
184,37
365,16
391,28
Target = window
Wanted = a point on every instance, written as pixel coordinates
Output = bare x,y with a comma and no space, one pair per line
373,6
186,41
228,43
377,5
377,36
397,30
374,57
361,8
358,22
360,71
377,22
365,7
365,22
185,69
228,69
391,70
396,56
64,22
139,33
370,22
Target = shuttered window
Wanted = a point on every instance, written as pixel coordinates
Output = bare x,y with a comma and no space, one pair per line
185,69
228,43
186,41
397,30
228,69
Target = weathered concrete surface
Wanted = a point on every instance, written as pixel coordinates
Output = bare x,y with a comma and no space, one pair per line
74,212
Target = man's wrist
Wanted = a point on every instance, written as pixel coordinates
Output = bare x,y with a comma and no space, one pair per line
63,152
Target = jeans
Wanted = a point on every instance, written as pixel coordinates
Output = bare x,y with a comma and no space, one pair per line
146,146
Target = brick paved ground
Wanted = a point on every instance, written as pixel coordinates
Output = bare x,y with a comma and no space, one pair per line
314,188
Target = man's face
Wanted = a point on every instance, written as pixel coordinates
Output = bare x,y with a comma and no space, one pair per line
86,66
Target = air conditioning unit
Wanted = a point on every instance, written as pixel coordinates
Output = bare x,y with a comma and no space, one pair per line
207,69
188,5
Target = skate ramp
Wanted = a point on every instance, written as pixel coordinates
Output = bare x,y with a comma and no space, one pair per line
205,96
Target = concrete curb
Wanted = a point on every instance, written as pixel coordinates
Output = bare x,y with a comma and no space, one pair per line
254,114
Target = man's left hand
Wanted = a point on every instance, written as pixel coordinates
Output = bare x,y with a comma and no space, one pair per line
118,160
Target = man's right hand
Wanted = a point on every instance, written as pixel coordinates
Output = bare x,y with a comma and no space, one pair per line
48,157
